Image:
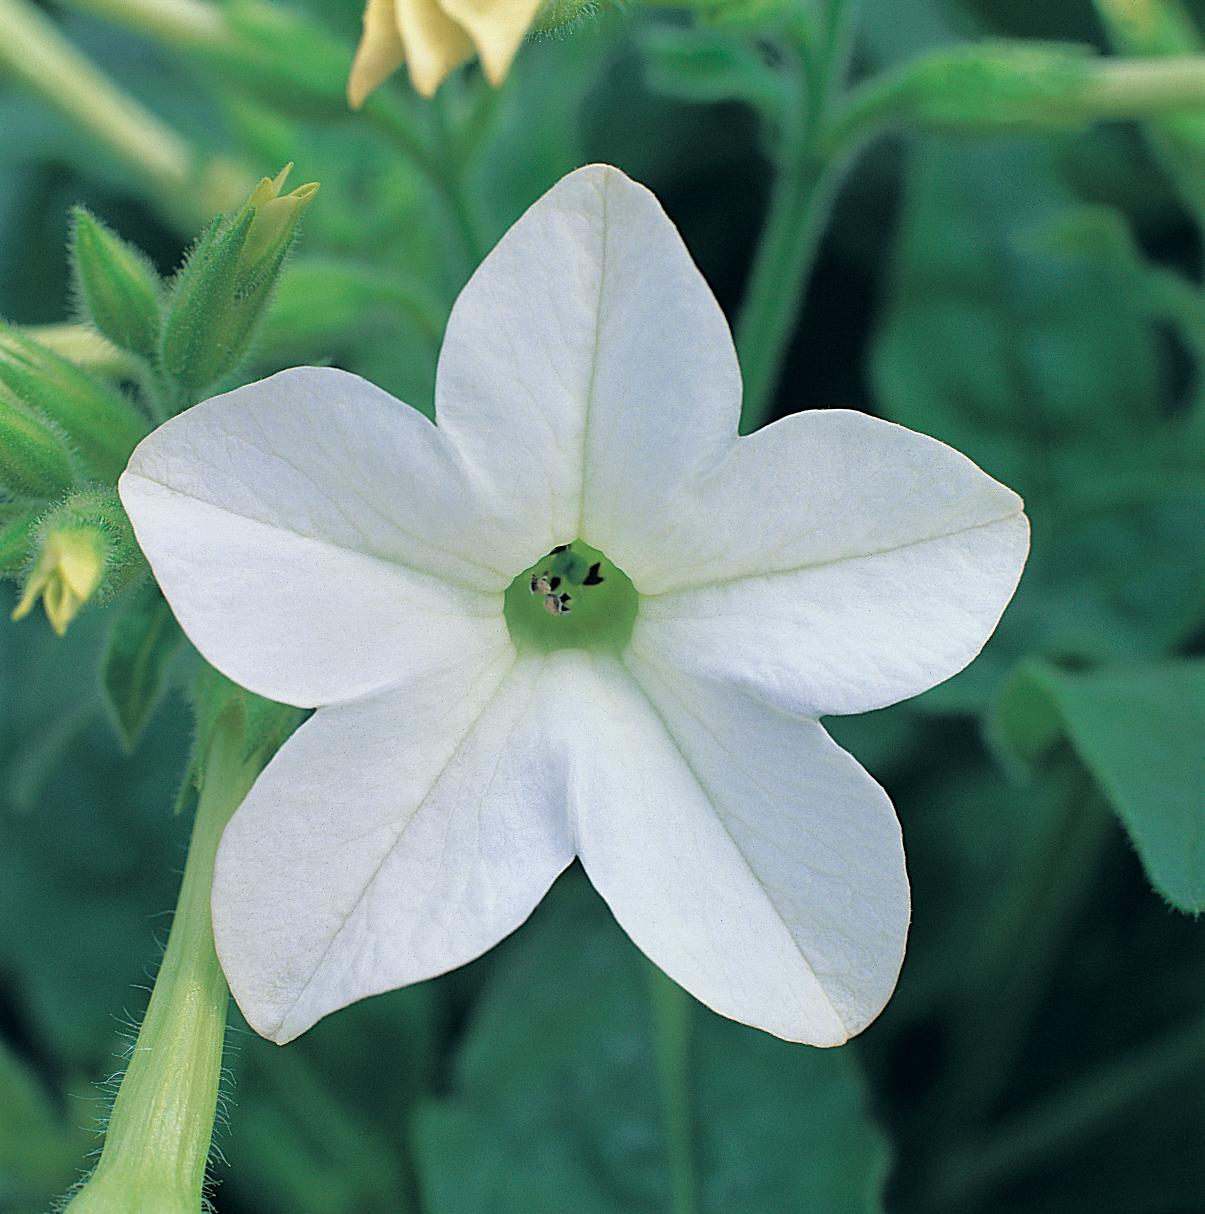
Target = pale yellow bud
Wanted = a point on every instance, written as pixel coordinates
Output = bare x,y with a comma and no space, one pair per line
433,37
67,575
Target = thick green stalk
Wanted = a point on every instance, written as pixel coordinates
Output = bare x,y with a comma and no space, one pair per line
159,1132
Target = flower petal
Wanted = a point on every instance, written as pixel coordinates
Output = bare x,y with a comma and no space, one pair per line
587,369
744,852
317,538
390,839
839,563
497,28
435,44
379,54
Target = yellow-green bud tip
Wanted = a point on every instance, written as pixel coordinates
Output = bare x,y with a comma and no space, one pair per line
66,576
276,216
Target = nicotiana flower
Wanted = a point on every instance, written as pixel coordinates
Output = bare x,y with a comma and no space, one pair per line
433,37
578,616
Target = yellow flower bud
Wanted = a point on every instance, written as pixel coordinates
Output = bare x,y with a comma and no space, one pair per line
432,37
67,575
83,548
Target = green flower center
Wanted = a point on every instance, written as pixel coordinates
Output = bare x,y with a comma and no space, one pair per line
572,599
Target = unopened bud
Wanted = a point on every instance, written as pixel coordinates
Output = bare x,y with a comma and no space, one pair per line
84,549
117,286
997,86
101,423
222,293
34,459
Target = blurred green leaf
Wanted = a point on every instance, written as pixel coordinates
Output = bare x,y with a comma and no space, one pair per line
36,1155
1024,329
565,1084
144,641
704,65
1140,731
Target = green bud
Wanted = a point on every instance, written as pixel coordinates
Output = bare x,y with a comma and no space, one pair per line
101,423
18,522
222,293
82,346
997,86
117,286
84,549
34,460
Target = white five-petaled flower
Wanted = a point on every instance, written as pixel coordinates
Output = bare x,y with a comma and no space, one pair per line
325,545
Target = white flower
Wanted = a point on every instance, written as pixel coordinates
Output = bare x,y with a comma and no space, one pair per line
325,545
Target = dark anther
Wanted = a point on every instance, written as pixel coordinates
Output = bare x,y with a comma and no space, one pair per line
553,583
592,578
559,548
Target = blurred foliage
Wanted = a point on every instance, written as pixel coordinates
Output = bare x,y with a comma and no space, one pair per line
1035,302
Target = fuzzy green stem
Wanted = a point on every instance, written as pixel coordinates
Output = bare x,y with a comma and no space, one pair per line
159,1132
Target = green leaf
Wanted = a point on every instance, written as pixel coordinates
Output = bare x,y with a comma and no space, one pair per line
585,1074
705,66
1140,732
145,639
1025,329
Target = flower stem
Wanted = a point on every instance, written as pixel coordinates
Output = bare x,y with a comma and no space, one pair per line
808,173
671,1012
162,1121
799,206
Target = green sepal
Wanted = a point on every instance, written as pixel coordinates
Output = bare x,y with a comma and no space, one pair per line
35,461
196,337
100,509
265,724
222,293
18,522
144,641
101,423
117,286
